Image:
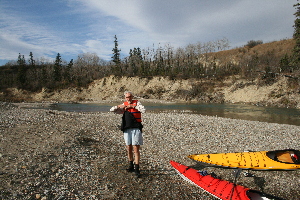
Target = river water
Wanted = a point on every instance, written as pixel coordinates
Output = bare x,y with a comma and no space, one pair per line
234,111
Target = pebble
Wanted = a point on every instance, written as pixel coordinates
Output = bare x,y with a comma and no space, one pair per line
65,155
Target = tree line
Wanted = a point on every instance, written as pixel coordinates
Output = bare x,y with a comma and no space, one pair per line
198,61
34,74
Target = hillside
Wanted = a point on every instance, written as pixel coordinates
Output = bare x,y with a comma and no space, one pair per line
273,50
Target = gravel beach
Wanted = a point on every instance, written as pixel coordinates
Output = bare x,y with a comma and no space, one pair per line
46,154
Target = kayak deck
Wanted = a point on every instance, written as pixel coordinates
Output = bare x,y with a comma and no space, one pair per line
260,160
219,188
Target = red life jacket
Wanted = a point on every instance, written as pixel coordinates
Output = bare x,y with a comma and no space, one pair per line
137,114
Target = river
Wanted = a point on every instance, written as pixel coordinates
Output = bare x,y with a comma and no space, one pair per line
235,111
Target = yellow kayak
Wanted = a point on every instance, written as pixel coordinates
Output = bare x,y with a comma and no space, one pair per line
288,159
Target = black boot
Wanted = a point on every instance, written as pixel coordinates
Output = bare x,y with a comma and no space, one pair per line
137,170
131,167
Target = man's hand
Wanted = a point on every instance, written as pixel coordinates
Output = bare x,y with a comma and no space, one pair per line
126,107
121,106
129,106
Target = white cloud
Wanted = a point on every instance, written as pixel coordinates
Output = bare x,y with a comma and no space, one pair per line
22,36
183,22
96,46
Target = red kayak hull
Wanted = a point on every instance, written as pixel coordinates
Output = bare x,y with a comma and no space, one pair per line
219,188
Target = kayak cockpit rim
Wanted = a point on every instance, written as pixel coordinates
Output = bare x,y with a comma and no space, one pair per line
257,195
288,156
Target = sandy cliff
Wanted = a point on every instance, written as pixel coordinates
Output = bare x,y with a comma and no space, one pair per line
279,93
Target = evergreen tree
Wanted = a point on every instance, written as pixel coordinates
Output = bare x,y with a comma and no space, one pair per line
284,63
31,60
135,54
57,68
135,62
296,51
116,52
21,76
67,74
21,60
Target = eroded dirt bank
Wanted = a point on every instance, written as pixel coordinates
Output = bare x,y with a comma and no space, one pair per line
282,93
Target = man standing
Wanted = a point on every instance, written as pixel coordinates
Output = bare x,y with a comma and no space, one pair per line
132,128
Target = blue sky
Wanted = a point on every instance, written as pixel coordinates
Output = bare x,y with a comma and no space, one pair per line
73,27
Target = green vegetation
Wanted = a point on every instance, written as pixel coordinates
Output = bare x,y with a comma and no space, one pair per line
253,43
116,52
296,51
199,61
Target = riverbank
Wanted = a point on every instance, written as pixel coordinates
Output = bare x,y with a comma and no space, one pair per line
61,155
284,92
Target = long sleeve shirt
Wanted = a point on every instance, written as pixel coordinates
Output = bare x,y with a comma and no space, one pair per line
117,110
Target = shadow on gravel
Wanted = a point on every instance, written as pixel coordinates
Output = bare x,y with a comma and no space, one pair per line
163,172
148,173
198,166
260,182
86,141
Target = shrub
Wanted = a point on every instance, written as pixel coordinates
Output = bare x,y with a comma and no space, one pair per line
253,43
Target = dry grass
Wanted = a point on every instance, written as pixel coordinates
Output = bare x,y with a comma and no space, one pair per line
280,48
